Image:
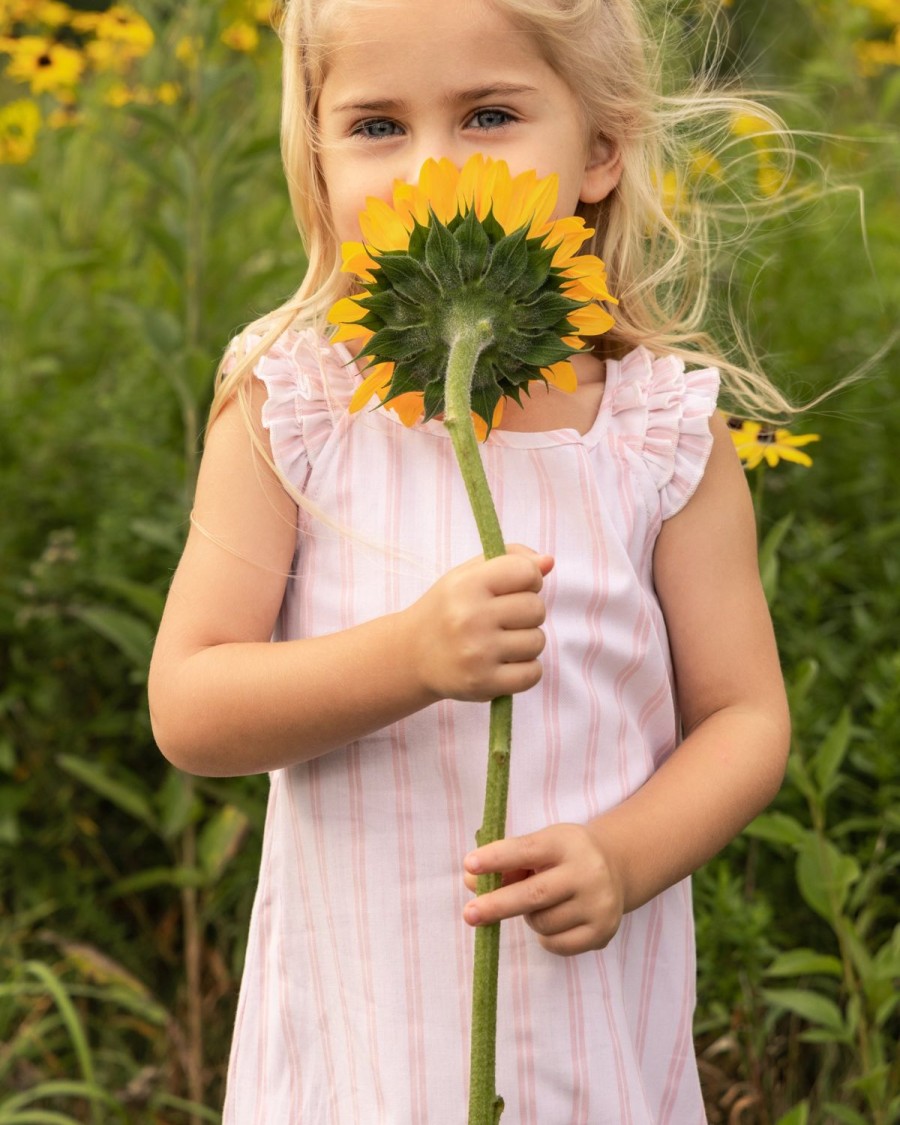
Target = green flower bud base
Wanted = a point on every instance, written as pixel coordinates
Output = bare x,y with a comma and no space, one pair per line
468,266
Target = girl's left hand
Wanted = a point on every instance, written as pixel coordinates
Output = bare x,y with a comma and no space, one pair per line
561,880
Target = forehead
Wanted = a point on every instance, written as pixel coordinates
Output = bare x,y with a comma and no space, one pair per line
407,48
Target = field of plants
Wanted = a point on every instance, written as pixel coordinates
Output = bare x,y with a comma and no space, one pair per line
144,220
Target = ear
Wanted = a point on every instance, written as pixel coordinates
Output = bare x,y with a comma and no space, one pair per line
602,171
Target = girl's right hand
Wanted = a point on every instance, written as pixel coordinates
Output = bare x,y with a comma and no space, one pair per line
476,633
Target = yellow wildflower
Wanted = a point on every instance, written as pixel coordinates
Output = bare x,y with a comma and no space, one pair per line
121,25
753,126
188,50
51,13
875,55
167,93
241,36
756,443
46,66
20,122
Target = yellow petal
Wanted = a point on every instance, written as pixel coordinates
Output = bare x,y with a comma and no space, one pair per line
591,320
543,201
376,382
382,227
408,407
788,453
349,332
356,260
562,376
470,176
437,182
346,311
784,437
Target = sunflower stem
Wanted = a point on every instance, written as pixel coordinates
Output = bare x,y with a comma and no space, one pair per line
469,336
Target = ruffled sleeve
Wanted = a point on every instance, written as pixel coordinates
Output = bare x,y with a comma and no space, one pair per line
299,408
662,412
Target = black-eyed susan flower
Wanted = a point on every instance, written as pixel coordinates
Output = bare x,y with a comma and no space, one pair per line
46,66
756,443
470,245
120,25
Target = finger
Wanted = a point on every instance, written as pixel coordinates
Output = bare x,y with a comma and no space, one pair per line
521,645
530,852
544,562
513,573
569,943
522,610
514,677
568,915
527,896
471,881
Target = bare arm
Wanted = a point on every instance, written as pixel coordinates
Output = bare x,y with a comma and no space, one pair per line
224,700
574,882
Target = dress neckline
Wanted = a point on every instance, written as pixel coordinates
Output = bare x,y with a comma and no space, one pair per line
516,439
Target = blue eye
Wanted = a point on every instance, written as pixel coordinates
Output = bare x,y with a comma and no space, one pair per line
491,118
377,129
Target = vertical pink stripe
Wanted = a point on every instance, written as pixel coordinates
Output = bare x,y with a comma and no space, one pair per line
574,988
262,1017
522,1014
415,1030
648,972
624,1114
594,748
361,916
345,479
327,881
683,1048
323,1022
459,842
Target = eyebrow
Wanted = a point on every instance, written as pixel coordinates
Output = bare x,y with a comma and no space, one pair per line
477,93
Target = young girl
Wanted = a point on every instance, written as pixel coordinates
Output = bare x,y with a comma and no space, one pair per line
651,723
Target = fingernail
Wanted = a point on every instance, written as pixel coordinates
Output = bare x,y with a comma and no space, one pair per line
471,914
472,863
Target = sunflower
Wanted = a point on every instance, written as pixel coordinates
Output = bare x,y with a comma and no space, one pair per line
756,443
475,243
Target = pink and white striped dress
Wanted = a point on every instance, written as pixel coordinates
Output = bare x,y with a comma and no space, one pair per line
354,1006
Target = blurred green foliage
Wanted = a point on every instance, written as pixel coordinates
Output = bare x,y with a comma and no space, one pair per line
133,245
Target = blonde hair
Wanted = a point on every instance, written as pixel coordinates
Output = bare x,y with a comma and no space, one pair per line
659,232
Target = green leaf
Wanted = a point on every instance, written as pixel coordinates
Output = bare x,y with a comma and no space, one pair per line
777,828
220,839
126,796
805,962
799,1115
843,1114
825,876
768,556
177,803
131,635
179,877
831,753
443,254
805,676
811,1006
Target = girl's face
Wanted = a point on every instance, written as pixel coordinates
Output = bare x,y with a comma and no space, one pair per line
413,79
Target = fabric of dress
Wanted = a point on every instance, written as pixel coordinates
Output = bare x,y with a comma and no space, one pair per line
354,1005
